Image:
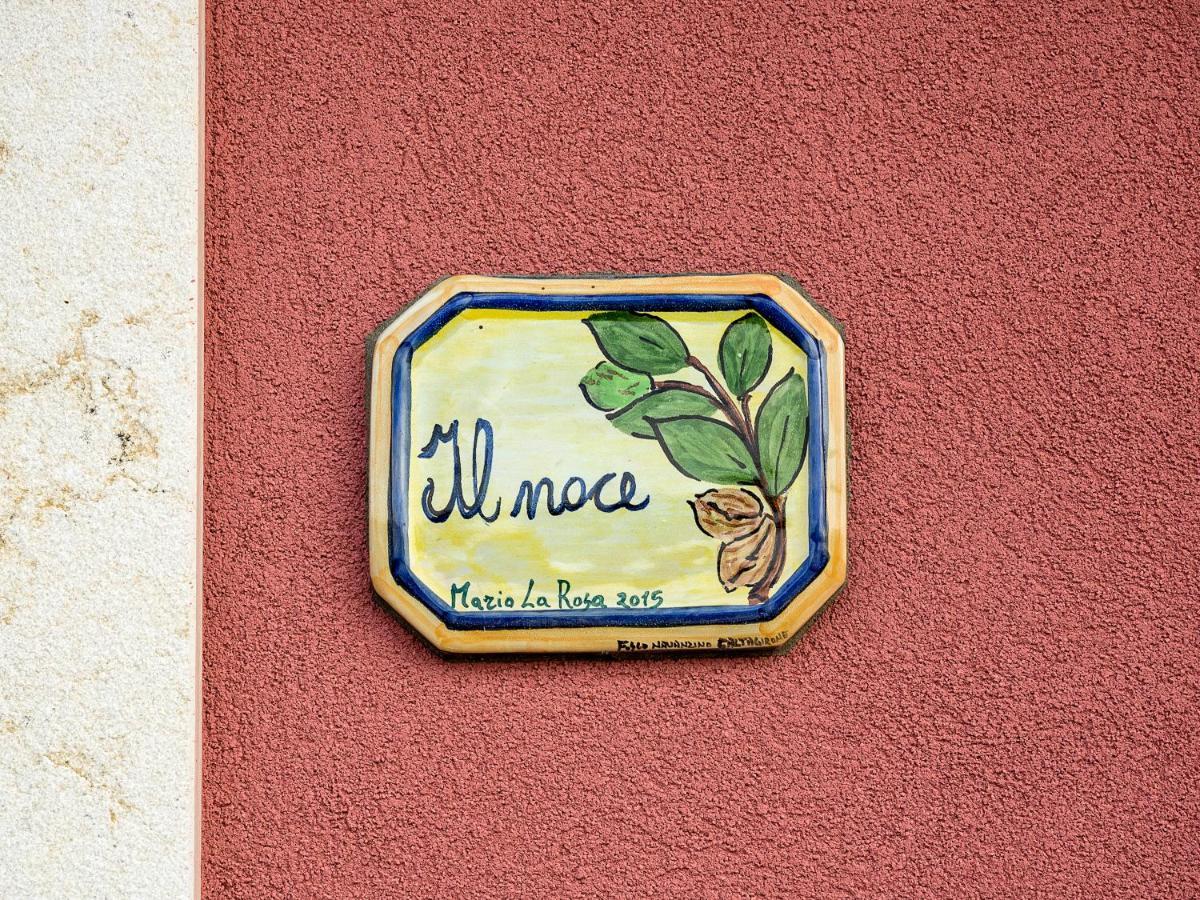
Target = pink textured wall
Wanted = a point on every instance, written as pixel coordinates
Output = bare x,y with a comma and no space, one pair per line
999,202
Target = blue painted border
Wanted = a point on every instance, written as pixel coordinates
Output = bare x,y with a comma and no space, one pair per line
818,555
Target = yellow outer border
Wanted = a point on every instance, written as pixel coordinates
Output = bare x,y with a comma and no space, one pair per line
749,636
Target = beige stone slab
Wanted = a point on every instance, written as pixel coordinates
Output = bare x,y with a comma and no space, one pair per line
98,412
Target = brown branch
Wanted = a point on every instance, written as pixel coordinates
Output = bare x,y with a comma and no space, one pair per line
739,417
685,386
726,400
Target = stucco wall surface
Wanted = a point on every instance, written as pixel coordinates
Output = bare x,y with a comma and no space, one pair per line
98,448
1000,203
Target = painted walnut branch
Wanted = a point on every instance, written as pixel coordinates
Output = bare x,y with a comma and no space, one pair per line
708,432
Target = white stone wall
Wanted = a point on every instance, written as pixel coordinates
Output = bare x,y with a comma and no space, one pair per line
98,444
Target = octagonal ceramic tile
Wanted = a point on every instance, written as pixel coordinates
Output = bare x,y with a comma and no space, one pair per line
608,464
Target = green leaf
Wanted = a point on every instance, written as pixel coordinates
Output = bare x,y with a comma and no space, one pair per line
782,429
706,450
667,403
638,342
611,387
745,354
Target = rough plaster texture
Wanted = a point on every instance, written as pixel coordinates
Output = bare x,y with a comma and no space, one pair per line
98,406
999,201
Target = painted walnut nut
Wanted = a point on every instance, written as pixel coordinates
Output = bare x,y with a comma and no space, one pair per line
727,513
747,561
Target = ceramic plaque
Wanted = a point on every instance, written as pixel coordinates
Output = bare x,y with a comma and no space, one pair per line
616,465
